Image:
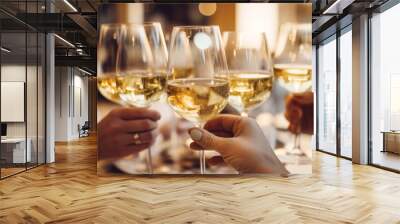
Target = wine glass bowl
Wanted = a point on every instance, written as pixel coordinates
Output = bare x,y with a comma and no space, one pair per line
108,44
293,57
140,86
250,69
197,86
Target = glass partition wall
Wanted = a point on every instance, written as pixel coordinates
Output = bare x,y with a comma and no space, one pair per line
22,77
383,72
345,62
326,96
384,111
334,94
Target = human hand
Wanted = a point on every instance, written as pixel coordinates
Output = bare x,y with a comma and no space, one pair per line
299,112
126,131
241,143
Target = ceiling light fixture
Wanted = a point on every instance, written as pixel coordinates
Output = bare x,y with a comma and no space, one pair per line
65,41
5,50
84,71
70,5
337,7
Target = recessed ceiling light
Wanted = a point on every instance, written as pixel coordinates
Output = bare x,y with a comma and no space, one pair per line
70,5
5,50
65,41
84,71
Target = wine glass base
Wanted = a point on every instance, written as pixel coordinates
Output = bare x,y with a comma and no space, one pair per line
149,162
295,151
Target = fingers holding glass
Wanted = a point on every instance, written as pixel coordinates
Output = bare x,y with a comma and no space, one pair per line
243,147
120,145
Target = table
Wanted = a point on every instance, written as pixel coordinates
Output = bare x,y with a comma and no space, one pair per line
391,141
13,150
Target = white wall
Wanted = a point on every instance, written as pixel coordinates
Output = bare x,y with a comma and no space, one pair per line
13,73
80,96
33,127
50,94
71,94
61,103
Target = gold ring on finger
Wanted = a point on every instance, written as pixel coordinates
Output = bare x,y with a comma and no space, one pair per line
136,139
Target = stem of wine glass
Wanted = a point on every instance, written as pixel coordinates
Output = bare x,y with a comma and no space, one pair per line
297,141
149,161
296,145
202,156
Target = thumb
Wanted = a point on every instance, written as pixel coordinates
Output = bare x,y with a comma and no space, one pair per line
207,140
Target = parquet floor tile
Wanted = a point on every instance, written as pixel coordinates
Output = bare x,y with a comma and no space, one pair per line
69,191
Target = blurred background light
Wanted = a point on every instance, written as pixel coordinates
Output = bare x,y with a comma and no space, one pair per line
207,9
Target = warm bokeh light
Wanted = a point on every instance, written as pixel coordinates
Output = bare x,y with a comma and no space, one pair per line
207,9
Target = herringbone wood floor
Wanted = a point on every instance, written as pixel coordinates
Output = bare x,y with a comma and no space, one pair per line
69,191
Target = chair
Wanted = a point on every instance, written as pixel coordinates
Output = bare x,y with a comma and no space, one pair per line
84,130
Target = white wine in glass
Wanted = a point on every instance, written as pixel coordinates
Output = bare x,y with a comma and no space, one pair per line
197,85
198,99
294,78
140,90
251,73
107,48
248,90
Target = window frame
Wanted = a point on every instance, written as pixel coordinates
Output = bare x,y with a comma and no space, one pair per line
334,37
27,29
379,10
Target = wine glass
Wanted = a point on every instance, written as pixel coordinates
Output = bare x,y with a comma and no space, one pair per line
139,79
293,63
158,48
197,85
107,48
251,72
141,65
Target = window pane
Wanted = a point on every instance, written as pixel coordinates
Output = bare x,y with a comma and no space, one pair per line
346,94
41,99
31,97
385,84
327,97
14,153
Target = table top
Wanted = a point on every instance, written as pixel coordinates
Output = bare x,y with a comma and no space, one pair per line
391,132
13,140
